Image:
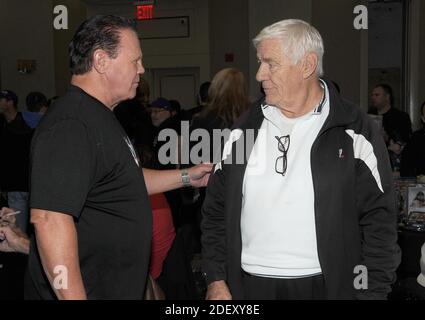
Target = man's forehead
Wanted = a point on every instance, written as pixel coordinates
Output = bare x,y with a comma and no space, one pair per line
270,47
130,41
378,90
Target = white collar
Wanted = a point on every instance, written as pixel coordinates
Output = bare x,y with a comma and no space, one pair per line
269,113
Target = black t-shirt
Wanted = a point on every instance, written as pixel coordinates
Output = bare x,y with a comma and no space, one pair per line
83,164
398,122
15,141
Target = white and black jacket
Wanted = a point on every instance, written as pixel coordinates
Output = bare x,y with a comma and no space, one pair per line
354,206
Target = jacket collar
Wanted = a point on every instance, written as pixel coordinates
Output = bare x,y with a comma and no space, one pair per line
341,112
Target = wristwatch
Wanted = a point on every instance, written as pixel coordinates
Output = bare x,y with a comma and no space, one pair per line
185,178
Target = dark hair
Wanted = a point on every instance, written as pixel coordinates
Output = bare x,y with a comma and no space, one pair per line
35,101
422,108
98,32
388,90
203,92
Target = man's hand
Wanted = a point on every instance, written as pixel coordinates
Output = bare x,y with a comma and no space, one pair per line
218,290
13,240
5,219
200,174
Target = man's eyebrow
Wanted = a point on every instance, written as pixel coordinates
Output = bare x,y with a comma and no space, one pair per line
267,60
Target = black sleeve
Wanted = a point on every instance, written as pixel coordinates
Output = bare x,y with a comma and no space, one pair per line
62,168
378,220
213,229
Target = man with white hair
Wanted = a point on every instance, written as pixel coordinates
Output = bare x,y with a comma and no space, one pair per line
310,213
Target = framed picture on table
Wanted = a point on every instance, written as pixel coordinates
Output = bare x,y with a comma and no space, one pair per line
416,207
416,198
401,187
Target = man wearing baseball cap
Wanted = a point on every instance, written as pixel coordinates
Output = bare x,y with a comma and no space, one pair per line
8,107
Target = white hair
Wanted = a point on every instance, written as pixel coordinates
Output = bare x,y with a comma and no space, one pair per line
298,38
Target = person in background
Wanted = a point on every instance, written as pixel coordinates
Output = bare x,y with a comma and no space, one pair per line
134,117
15,140
393,119
12,238
227,101
37,106
202,98
413,158
396,147
14,249
164,117
163,233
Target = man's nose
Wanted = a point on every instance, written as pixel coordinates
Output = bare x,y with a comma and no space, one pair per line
261,73
141,69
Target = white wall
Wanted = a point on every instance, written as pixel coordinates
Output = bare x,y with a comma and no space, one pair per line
172,53
26,32
77,13
343,46
385,35
229,35
217,27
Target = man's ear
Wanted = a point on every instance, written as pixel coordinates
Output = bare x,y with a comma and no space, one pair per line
309,65
100,60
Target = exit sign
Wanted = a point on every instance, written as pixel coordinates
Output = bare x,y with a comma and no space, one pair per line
145,12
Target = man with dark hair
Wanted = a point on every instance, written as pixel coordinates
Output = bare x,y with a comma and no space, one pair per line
37,106
15,139
36,102
89,203
394,121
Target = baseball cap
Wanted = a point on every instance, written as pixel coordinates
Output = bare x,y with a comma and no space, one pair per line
9,95
421,277
162,103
